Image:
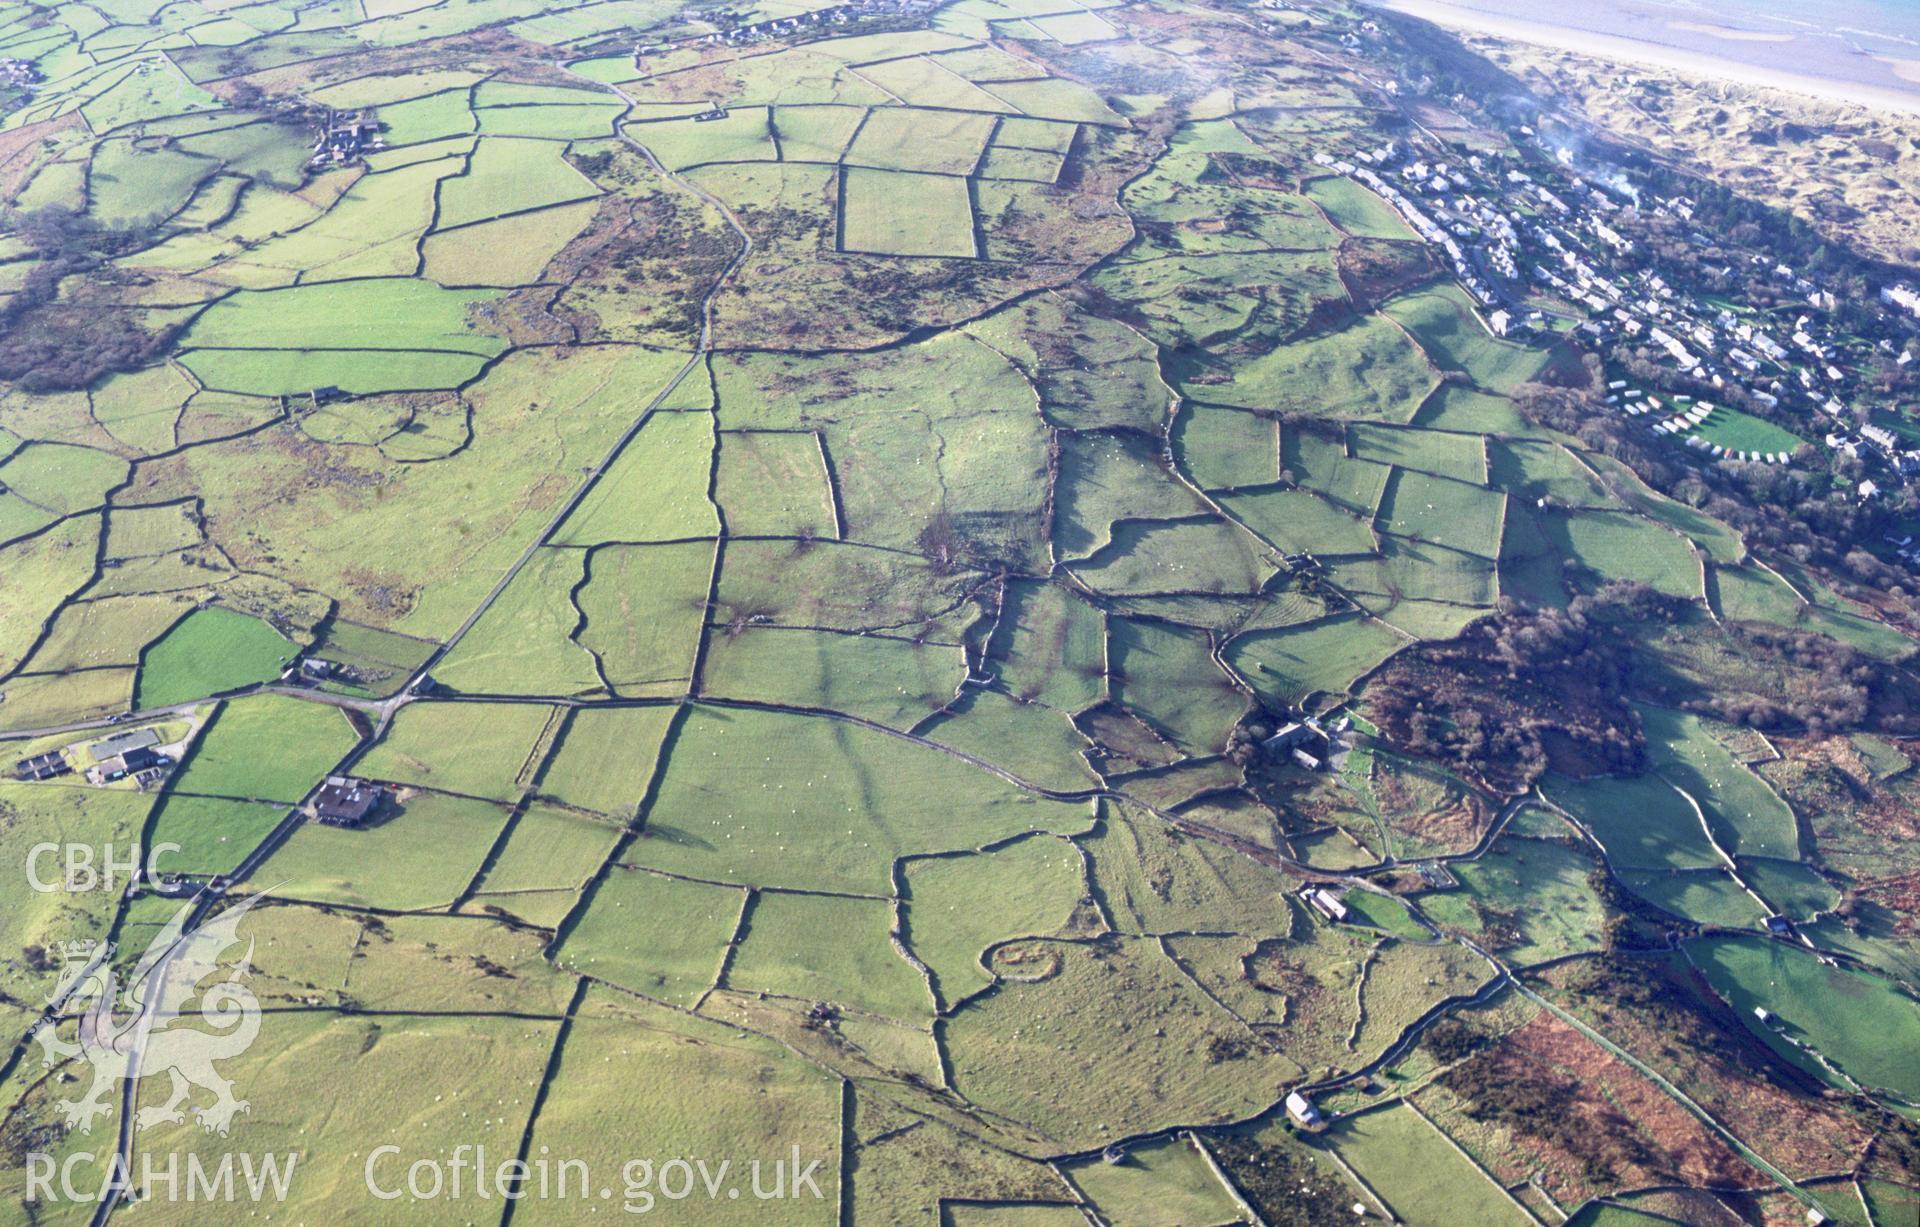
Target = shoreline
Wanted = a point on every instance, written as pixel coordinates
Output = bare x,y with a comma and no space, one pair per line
1698,64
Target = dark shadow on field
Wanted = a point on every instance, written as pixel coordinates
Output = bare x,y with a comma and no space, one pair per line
675,835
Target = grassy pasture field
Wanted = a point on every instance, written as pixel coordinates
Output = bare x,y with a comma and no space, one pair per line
1750,593
827,948
1299,520
1055,98
550,121
1720,543
1709,898
510,175
1038,745
1157,880
1321,464
742,136
1288,665
210,651
919,81
655,490
1412,1167
1366,371
110,631
1615,545
958,906
1794,889
887,212
774,483
1131,1078
1444,321
815,133
1408,570
138,532
214,834
643,608
549,857
1356,210
657,935
1105,478
1642,821
1025,165
1748,816
32,918
382,313
1165,675
1444,512
507,251
479,749
1164,1184
1540,891
893,681
1530,569
422,854
1385,913
525,643
840,586
1051,647
719,811
1186,556
289,372
1864,1024
1532,471
1455,406
1224,448
604,758
713,1089
1461,457
484,1072
62,478
267,747
39,700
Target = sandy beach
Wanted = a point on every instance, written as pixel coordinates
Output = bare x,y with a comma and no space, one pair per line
1696,63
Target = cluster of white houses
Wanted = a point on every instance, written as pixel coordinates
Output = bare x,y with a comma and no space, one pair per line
747,32
1492,225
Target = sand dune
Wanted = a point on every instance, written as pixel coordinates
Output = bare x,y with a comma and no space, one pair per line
1696,63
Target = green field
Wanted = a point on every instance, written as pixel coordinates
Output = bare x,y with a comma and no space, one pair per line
657,935
1539,894
1614,545
208,652
1443,512
1737,431
420,855
1358,211
479,749
1410,1166
1865,1025
1444,322
1288,665
892,213
268,747
1641,822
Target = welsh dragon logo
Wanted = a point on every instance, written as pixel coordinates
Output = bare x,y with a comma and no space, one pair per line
144,1026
